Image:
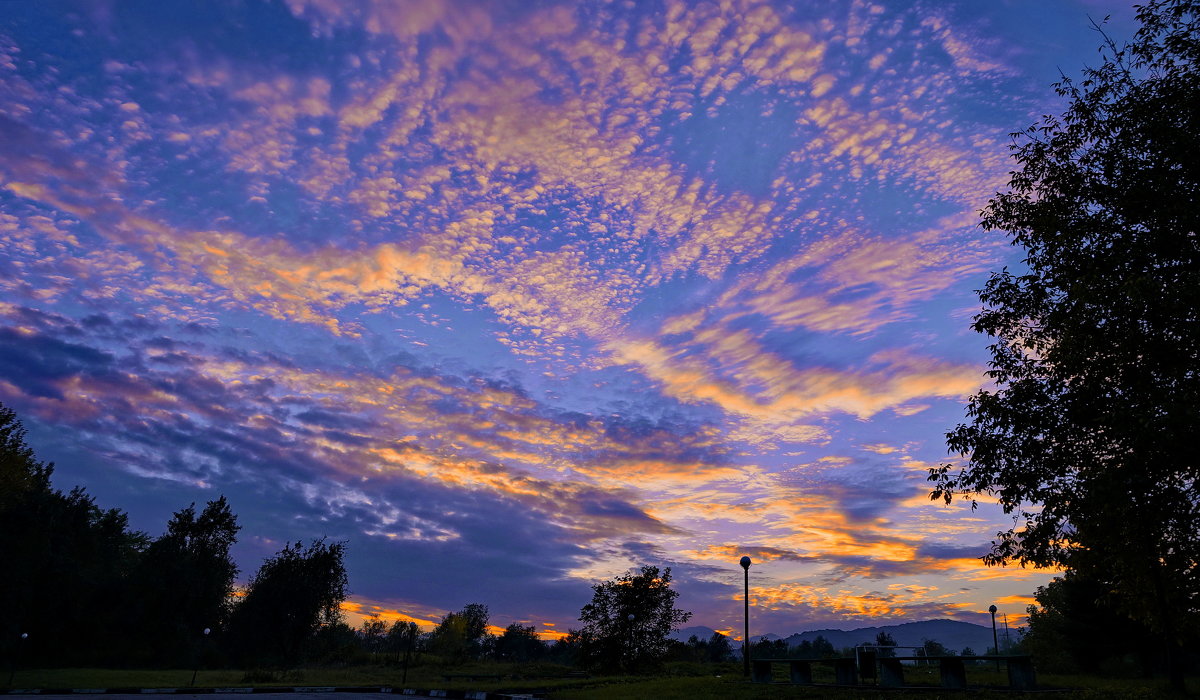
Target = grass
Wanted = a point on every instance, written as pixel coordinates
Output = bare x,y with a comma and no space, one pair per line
548,679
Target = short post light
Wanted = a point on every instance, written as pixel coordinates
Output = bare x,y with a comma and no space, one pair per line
745,562
12,671
196,667
995,639
632,652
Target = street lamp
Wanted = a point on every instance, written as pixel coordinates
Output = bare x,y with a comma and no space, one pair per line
632,653
745,562
196,668
16,658
995,640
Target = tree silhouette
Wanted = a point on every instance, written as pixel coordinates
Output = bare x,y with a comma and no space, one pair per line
184,580
520,644
60,553
461,635
292,594
1069,633
1087,438
628,623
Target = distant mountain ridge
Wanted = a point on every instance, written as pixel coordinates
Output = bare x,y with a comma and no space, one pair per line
954,635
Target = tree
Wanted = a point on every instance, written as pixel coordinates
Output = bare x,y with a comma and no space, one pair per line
402,638
719,648
20,471
1087,437
769,649
373,634
461,635
886,644
520,644
932,647
1068,632
293,594
630,619
183,582
566,649
63,553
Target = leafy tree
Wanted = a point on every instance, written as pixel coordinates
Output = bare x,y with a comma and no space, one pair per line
769,649
183,582
1087,437
62,553
886,644
932,647
566,649
823,648
461,635
819,648
293,594
719,648
336,643
1071,629
520,644
20,471
373,634
402,638
630,619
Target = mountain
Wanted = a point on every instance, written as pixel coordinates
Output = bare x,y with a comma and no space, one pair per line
952,634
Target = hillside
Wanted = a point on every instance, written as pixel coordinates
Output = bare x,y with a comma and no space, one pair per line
951,633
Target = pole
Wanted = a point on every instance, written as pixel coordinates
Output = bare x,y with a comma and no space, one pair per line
995,640
12,671
745,562
196,667
411,636
633,655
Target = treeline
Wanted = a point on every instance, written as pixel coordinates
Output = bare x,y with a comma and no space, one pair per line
82,588
1073,630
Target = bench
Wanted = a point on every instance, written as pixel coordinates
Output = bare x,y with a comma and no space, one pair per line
800,670
952,670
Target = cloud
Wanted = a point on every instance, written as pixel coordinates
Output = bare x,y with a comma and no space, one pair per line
527,290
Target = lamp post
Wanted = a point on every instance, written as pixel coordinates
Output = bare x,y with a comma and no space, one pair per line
196,668
745,562
410,636
12,671
995,640
632,653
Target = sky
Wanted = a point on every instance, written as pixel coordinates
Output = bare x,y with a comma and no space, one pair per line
513,297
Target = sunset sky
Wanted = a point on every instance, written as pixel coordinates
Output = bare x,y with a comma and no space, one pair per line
514,296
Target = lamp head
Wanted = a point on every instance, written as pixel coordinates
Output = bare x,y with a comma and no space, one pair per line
207,631
992,609
745,562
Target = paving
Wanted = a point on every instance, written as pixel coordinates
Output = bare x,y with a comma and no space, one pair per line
289,693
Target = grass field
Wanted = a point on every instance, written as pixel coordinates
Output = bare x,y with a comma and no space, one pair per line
549,680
